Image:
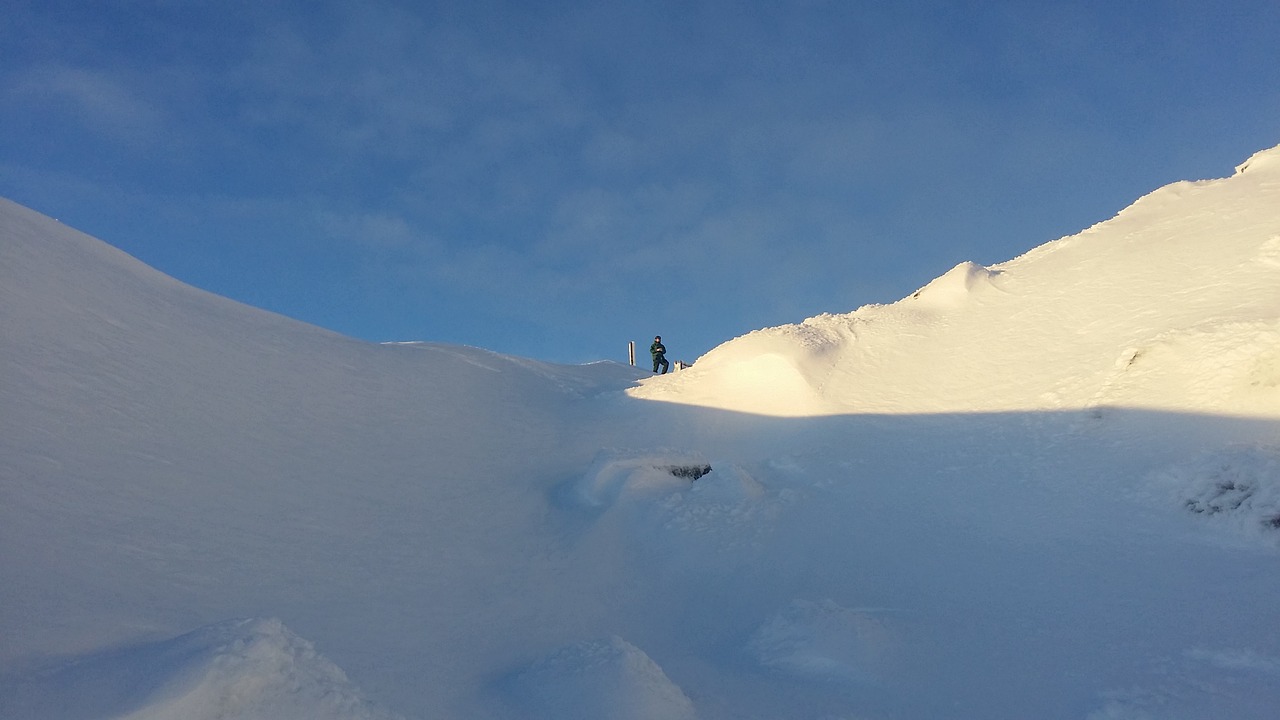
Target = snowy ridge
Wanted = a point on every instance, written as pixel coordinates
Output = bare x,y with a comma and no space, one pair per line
1181,284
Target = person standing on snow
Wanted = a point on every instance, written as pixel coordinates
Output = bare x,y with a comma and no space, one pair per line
659,353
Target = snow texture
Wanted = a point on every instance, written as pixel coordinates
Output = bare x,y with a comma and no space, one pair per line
614,476
1236,487
827,642
1046,488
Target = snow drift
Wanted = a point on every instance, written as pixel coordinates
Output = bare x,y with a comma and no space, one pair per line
235,670
601,680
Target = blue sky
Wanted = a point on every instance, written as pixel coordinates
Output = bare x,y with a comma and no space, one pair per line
552,179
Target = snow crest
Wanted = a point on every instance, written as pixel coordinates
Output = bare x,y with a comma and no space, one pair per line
959,285
1268,159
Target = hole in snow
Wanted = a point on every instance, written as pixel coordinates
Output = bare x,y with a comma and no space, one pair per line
692,472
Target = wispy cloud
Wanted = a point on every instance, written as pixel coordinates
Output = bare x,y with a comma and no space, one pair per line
104,102
380,80
534,162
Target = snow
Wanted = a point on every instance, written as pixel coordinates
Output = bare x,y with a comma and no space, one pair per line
827,642
1137,311
234,669
603,680
1046,488
1237,487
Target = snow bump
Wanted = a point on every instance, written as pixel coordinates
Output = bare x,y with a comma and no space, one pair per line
608,679
957,286
253,669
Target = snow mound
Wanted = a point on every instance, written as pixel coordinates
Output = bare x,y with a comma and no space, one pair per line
1236,488
960,284
777,382
600,680
824,641
775,371
235,670
616,475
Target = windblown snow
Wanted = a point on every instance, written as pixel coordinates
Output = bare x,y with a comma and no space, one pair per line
1048,488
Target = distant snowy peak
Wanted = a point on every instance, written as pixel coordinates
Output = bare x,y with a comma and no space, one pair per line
1171,304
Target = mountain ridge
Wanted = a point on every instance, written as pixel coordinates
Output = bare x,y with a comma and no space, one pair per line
1082,307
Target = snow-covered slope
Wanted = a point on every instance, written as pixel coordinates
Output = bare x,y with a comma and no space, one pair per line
1174,303
1046,489
167,452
